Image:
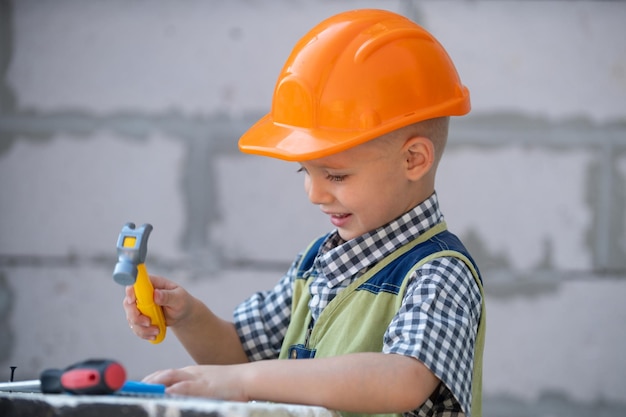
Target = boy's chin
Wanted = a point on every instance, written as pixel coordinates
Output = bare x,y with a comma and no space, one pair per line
347,235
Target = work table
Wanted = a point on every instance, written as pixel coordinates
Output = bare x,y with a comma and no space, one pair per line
64,405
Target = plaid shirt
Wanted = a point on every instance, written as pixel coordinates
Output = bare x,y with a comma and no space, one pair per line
436,323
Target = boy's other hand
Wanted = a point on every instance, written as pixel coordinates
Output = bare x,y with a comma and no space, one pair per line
174,299
220,382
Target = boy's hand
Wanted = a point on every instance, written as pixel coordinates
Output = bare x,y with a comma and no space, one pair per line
223,382
206,337
364,383
174,299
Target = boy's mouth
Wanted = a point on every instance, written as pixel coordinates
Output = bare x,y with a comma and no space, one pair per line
339,219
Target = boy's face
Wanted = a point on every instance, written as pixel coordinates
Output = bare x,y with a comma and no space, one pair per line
362,188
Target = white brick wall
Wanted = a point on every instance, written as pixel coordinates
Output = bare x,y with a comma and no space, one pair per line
122,107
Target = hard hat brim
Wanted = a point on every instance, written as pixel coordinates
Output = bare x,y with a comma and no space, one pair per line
295,144
290,143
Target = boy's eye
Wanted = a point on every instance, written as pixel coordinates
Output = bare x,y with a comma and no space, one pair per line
329,177
335,178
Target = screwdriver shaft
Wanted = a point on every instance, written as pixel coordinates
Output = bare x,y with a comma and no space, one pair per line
33,385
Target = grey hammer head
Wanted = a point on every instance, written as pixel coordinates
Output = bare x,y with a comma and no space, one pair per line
132,247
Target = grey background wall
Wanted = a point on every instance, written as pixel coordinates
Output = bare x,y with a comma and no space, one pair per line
130,111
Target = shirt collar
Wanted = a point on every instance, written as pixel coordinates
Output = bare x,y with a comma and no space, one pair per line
339,260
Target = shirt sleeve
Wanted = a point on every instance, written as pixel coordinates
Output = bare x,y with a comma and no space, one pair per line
437,323
262,320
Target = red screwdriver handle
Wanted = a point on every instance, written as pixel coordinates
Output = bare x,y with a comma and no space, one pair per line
91,377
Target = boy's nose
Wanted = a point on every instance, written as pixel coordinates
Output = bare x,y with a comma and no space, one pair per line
316,191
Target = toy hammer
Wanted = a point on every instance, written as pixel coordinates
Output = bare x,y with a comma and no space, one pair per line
132,247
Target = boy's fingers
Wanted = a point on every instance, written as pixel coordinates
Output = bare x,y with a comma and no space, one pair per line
162,283
148,333
133,315
130,292
167,298
161,297
141,325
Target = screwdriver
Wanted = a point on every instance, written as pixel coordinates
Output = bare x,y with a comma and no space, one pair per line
90,377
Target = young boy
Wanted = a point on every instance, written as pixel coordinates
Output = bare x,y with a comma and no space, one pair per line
387,307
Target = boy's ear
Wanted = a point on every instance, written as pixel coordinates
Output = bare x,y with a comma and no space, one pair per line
419,154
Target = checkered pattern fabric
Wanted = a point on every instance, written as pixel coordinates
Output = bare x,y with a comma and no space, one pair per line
436,323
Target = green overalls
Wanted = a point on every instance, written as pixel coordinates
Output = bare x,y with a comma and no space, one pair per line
357,318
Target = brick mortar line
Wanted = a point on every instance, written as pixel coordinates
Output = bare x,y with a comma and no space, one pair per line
482,129
499,276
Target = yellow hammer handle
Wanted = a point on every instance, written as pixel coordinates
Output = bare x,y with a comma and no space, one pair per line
144,291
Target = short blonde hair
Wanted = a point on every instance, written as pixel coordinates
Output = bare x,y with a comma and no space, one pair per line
437,131
434,129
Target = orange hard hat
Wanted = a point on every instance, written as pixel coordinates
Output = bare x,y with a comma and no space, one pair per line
354,77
